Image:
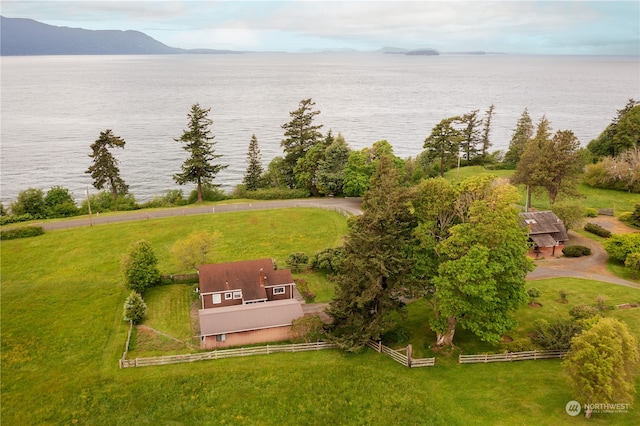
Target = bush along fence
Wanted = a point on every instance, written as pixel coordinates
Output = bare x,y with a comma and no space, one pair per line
510,356
406,360
224,353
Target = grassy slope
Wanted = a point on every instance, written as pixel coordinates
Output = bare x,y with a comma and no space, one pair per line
62,334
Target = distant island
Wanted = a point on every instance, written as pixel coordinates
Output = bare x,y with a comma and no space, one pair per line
26,37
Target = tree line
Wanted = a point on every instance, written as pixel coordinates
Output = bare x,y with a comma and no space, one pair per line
317,164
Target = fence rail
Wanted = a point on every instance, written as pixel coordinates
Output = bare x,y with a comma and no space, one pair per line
406,360
224,353
510,356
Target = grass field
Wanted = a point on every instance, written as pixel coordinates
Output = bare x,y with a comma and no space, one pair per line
62,336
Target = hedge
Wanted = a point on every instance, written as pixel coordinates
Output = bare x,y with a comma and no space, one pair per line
28,231
576,251
597,230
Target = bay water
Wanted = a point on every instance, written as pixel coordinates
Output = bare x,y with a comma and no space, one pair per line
54,107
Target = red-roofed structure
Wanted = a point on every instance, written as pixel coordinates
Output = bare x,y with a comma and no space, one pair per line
245,302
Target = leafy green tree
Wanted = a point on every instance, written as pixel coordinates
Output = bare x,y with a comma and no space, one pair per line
331,169
254,166
375,268
619,246
297,260
30,201
357,174
300,135
275,176
140,267
571,213
198,142
135,309
443,144
329,260
195,249
602,363
621,134
60,202
306,170
521,135
582,311
478,265
104,171
632,263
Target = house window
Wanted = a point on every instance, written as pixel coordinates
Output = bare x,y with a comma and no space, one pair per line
221,337
278,290
227,296
216,298
237,295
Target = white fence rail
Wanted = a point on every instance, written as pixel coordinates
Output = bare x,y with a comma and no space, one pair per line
510,356
406,360
224,353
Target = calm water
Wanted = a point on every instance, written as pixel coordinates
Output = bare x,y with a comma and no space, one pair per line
53,108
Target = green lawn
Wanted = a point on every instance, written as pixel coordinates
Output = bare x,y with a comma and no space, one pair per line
63,333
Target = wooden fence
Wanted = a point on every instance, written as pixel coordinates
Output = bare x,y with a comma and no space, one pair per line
510,356
406,360
224,353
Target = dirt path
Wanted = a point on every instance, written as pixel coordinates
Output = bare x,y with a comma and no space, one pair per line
588,267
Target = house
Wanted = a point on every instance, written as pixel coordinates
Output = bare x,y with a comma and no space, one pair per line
245,302
546,232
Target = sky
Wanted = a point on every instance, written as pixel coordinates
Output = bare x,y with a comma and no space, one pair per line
529,27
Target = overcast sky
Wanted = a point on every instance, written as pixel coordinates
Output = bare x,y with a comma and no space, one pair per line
536,27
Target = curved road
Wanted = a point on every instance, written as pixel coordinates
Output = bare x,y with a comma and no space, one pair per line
346,206
587,267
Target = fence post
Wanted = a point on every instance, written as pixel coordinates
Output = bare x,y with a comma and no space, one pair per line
379,346
409,353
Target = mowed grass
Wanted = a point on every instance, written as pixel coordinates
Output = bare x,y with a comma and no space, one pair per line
62,335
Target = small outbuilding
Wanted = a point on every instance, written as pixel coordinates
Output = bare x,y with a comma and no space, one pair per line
547,233
245,302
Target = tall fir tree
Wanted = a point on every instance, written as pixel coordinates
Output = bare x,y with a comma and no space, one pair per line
300,135
254,166
104,170
521,135
443,144
198,142
486,130
376,267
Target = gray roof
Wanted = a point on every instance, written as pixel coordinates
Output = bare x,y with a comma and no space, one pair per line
541,223
253,316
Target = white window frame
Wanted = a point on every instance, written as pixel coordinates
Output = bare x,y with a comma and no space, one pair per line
221,337
228,296
279,290
216,298
237,295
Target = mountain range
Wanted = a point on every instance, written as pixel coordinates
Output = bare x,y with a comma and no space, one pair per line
24,37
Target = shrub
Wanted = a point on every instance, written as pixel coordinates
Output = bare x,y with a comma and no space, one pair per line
576,251
307,329
209,193
173,197
134,308
632,263
303,288
583,311
25,232
270,193
60,202
13,218
618,247
625,217
296,260
533,293
140,267
329,259
30,201
590,212
563,295
597,230
105,202
634,218
557,335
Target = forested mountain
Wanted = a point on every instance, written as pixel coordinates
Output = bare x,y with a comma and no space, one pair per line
28,37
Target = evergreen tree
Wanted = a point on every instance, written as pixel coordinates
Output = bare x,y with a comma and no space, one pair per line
104,170
486,129
198,142
443,144
521,135
330,172
470,136
254,167
376,268
300,135
135,309
621,134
